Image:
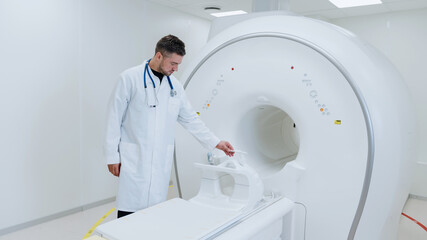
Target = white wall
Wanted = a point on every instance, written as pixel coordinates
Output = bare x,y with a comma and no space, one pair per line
39,120
402,37
59,62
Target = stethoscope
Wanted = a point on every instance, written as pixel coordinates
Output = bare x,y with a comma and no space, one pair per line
172,92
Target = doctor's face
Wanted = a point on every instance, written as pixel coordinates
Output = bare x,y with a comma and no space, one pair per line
169,63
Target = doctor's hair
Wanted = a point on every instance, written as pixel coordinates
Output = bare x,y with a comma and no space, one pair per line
170,44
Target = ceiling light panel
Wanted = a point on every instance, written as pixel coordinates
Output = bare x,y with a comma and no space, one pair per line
354,3
224,14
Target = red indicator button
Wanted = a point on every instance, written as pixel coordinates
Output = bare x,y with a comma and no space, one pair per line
292,67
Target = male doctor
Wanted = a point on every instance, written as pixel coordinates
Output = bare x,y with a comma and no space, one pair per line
143,111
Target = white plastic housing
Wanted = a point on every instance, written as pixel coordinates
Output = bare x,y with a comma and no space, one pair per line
352,114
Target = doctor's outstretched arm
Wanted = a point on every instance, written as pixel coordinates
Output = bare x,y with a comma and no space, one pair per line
189,119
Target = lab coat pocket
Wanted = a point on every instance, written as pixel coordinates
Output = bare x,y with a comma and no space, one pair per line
129,155
173,106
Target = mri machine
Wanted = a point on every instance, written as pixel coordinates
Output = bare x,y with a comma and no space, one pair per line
327,126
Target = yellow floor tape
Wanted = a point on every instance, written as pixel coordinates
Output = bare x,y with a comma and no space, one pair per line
97,223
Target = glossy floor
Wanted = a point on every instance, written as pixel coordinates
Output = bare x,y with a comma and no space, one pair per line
75,226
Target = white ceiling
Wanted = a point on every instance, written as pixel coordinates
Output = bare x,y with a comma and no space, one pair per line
312,8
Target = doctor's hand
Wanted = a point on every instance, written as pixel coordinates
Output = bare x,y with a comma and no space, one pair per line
114,169
226,147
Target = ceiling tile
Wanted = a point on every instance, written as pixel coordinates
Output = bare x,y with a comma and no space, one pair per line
197,10
310,5
328,14
390,1
187,2
165,3
312,8
406,5
364,10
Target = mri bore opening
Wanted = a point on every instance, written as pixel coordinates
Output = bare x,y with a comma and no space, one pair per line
270,136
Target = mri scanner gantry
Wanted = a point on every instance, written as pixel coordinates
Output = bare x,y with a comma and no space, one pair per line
327,124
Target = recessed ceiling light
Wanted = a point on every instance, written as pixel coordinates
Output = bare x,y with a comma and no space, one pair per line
354,3
224,14
212,9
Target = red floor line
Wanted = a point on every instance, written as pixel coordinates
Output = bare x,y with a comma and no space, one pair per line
415,221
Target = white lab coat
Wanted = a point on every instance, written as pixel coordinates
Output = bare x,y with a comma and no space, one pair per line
141,138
